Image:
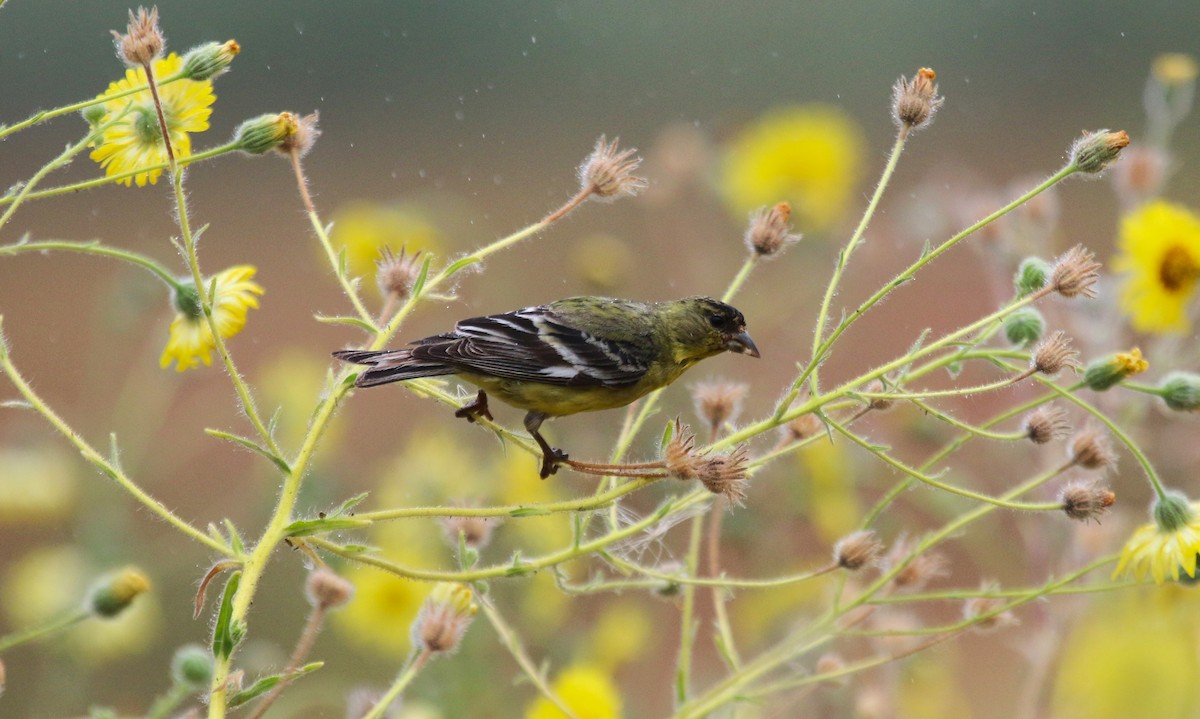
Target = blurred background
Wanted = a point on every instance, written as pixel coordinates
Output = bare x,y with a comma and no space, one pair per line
447,125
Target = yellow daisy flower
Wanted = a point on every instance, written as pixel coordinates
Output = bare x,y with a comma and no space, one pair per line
809,156
1160,253
363,229
191,341
136,141
1165,546
588,692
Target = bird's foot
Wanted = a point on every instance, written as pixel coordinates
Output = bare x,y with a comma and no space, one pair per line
477,408
551,460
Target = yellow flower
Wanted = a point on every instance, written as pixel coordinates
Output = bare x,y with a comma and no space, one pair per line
809,156
1160,252
384,607
136,141
588,692
191,341
1164,546
363,229
1174,68
1132,362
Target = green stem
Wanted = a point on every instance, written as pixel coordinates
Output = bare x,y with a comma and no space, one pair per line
398,686
53,626
166,704
512,642
740,278
537,509
844,255
95,248
110,469
687,628
347,286
45,115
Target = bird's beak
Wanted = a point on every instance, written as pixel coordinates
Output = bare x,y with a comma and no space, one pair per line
742,344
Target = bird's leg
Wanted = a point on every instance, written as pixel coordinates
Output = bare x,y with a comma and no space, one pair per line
551,457
477,408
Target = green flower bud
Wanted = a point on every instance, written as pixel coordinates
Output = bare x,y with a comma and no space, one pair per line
186,299
206,61
1031,275
1181,391
94,114
264,133
1095,151
116,593
1024,327
1108,371
1172,512
192,666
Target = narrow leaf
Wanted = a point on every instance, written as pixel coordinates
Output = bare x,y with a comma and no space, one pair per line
252,446
224,635
352,321
309,527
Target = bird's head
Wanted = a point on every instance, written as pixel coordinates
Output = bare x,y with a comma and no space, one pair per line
702,327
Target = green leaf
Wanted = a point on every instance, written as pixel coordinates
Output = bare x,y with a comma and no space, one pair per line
459,264
266,684
344,508
309,527
352,549
419,283
235,538
528,512
352,321
225,635
251,445
668,434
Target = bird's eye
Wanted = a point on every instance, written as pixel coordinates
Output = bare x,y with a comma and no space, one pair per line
716,321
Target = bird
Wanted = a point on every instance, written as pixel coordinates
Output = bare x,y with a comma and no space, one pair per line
578,354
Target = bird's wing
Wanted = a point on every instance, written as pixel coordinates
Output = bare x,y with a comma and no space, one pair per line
536,345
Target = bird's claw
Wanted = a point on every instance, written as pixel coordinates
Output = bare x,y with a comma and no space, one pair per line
551,461
477,408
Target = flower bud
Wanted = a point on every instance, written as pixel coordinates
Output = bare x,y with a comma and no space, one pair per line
192,666
1095,151
94,115
209,60
264,133
1181,391
116,593
1172,512
1024,327
1108,371
1032,275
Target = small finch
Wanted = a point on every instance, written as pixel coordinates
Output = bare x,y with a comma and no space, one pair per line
579,354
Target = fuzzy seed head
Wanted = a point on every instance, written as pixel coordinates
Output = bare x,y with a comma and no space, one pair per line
475,531
1076,273
725,474
1054,354
915,101
1046,424
325,589
718,402
923,568
769,232
857,550
1095,151
679,454
1091,449
876,386
607,173
143,41
984,611
1086,500
397,274
803,427
302,135
444,617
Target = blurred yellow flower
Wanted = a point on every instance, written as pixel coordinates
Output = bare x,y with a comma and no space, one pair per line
807,155
380,616
137,141
1174,68
1160,254
586,690
42,583
1162,552
190,340
363,229
621,633
288,381
602,260
1133,655
36,484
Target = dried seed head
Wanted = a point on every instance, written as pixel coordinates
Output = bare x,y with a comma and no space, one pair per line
1091,449
607,173
302,135
396,275
876,386
1084,500
114,594
725,474
803,427
1046,424
985,611
143,41
476,532
1095,151
857,550
1076,273
1181,391
204,62
678,455
325,589
718,402
1105,372
444,617
769,231
1054,354
914,101
917,573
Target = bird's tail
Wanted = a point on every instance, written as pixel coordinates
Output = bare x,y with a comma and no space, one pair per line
390,366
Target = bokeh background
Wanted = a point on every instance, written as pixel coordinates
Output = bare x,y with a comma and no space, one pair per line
446,125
